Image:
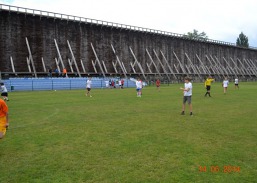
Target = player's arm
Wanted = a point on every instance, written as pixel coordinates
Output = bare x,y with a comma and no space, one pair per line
7,119
185,89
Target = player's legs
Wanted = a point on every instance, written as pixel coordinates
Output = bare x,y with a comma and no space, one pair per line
225,90
189,100
6,96
89,89
2,132
139,92
88,92
184,105
208,92
236,86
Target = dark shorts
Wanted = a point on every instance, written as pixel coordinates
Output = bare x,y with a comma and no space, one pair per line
4,94
208,87
236,84
187,99
88,89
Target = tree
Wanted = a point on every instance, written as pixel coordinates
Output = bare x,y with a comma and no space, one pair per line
242,40
196,35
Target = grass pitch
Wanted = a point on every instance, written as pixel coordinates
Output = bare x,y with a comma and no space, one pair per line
114,136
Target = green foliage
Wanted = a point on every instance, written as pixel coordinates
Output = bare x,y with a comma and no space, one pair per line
114,136
196,35
242,40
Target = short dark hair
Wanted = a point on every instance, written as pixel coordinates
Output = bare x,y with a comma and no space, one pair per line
188,78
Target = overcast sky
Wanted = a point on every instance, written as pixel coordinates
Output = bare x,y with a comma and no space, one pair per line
221,20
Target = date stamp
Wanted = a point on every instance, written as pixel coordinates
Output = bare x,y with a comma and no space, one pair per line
216,169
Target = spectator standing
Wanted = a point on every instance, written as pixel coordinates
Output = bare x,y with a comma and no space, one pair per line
64,72
50,72
57,73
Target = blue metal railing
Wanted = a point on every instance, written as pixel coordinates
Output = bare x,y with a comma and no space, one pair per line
39,84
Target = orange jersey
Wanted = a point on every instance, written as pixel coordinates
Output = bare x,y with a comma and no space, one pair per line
3,108
3,113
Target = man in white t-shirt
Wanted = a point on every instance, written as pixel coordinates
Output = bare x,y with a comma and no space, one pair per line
89,83
236,83
139,86
120,84
225,85
187,90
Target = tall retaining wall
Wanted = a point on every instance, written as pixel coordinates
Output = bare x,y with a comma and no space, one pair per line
176,52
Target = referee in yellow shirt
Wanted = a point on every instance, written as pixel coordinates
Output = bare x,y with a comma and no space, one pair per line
207,85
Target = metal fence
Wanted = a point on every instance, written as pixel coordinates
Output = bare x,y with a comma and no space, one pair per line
38,84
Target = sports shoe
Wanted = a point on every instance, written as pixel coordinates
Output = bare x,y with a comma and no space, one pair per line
183,113
191,114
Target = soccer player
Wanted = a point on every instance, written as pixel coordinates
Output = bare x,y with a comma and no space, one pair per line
4,122
122,83
225,85
236,84
139,86
158,84
207,85
4,92
119,83
187,90
89,83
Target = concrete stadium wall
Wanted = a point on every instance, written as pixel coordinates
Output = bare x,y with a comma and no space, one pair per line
41,32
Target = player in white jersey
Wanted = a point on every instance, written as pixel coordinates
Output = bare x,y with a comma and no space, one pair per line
225,85
89,83
187,91
139,86
236,84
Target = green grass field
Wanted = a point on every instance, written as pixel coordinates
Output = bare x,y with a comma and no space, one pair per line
114,136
